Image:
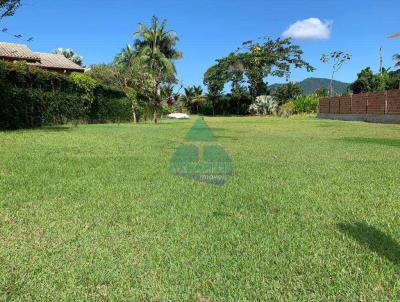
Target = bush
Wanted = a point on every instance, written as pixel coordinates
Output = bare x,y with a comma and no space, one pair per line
287,109
85,86
109,105
305,104
264,104
31,97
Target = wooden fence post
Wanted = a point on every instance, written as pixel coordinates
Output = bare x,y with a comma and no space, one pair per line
329,105
351,103
386,102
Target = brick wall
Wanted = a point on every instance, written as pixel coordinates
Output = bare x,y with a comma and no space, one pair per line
373,103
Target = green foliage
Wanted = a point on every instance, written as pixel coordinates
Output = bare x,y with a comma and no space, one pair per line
396,58
85,86
141,71
322,92
133,78
305,104
193,99
286,92
103,74
125,57
31,97
253,63
367,81
286,109
109,105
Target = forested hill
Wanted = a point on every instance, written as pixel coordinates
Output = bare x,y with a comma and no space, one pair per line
309,85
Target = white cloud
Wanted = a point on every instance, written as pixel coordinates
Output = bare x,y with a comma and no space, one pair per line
309,29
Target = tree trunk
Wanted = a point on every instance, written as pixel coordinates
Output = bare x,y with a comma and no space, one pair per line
155,120
331,86
156,100
134,114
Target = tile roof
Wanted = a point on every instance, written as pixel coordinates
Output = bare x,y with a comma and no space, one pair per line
56,61
44,60
17,51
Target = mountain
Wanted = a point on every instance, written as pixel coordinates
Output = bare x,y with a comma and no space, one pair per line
309,85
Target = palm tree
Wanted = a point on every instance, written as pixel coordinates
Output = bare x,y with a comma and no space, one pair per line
198,99
396,58
125,57
156,47
193,98
70,55
187,98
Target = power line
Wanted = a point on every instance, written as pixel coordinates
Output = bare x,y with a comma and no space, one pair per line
16,36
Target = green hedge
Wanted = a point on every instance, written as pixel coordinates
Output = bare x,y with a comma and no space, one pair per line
31,97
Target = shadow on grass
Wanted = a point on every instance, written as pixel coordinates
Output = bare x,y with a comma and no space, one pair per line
42,129
56,128
376,141
374,239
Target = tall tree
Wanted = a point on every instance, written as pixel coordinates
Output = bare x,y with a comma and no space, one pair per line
255,62
156,46
193,98
214,79
70,55
134,80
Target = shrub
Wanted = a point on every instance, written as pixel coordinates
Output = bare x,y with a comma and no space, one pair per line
85,86
287,109
109,105
305,104
264,104
31,97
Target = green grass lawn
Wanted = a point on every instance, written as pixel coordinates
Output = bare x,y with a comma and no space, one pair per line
311,212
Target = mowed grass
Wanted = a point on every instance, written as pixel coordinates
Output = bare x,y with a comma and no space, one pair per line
311,213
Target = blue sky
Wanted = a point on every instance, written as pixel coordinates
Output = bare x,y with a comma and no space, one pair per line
210,29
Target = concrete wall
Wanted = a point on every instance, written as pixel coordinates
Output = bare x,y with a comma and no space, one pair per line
381,107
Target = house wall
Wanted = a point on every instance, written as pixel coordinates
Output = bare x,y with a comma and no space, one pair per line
382,106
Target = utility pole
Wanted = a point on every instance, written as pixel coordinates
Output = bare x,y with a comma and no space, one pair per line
381,61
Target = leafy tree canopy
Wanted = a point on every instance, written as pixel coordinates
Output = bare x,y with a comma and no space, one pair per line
286,92
367,81
252,63
8,7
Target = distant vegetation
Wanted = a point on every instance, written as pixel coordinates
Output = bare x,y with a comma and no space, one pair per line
367,81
